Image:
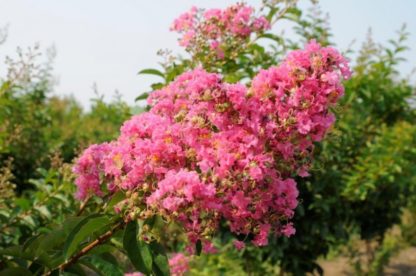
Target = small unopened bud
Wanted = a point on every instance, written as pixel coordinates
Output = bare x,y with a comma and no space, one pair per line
145,187
135,196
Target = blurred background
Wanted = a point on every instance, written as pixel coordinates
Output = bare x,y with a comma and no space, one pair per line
107,42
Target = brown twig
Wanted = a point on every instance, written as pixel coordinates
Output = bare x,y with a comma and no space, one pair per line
83,206
101,239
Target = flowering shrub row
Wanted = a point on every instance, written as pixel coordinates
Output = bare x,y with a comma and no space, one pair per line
209,150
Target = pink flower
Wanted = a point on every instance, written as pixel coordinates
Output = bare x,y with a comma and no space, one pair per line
185,21
261,237
187,38
240,201
288,230
261,24
88,168
239,245
201,30
179,264
213,14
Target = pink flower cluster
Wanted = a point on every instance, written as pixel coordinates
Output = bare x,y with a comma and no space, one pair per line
179,264
209,151
89,168
214,28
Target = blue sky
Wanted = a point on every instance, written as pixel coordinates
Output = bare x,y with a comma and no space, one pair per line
107,41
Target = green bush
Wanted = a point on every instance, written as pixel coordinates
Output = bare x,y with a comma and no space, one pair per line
35,124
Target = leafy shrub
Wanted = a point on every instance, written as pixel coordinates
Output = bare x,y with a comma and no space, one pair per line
35,125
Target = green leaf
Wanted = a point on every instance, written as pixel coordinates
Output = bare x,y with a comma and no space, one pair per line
23,203
48,243
62,198
116,198
75,269
103,248
272,37
160,260
158,85
18,252
15,271
146,255
36,268
104,266
5,86
198,247
161,265
85,262
44,212
4,215
272,12
84,228
142,96
29,221
151,72
138,253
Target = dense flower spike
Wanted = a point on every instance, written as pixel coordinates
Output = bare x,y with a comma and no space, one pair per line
218,31
209,150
